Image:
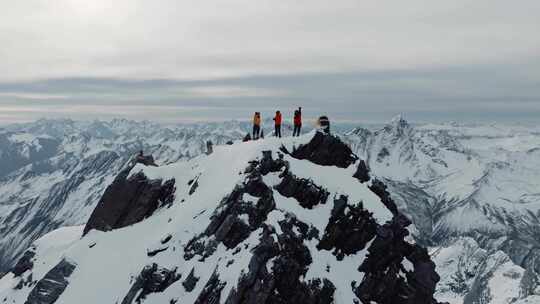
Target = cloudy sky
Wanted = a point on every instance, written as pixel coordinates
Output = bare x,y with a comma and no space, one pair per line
177,61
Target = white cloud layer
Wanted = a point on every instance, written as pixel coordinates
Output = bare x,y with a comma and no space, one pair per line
352,59
205,39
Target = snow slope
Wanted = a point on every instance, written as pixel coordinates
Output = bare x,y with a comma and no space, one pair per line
52,172
107,263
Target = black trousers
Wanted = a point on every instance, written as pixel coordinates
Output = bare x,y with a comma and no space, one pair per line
297,129
277,133
256,131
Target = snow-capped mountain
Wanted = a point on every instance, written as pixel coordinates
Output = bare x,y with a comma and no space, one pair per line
473,192
53,172
294,220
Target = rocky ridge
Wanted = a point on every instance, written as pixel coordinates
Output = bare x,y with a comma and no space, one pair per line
261,248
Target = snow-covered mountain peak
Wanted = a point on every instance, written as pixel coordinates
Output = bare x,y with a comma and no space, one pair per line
398,125
398,120
458,180
295,220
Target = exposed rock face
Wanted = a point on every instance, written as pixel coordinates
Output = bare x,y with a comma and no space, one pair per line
48,289
362,172
291,258
129,200
383,281
147,160
348,231
303,190
151,280
379,188
191,281
25,263
194,184
282,283
227,226
326,150
211,294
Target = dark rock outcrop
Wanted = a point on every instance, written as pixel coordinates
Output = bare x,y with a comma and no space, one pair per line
282,284
226,224
280,261
152,279
129,200
423,278
211,293
303,190
191,281
156,251
362,172
379,188
194,184
255,286
291,258
349,229
25,263
268,164
53,284
291,225
326,150
383,281
147,160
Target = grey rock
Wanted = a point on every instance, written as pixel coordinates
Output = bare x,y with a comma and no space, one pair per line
347,232
326,150
152,279
305,191
191,281
129,200
49,289
362,172
25,263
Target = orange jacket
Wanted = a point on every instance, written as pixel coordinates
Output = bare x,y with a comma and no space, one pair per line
278,119
257,120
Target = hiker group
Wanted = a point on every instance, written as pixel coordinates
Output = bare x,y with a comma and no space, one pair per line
323,123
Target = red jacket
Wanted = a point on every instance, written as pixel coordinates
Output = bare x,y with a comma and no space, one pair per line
298,119
277,119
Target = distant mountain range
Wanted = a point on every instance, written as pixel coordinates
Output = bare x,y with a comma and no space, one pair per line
473,193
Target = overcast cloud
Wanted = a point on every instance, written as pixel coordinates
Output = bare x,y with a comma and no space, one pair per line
166,60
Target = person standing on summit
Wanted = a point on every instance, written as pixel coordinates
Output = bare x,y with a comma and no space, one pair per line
297,122
256,125
277,123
